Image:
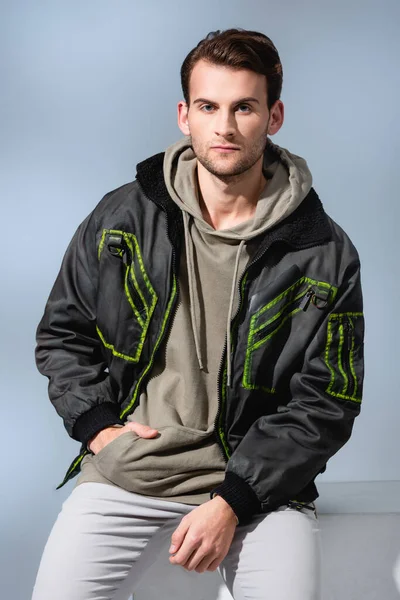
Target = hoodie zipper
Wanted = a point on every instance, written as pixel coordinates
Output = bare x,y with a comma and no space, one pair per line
218,430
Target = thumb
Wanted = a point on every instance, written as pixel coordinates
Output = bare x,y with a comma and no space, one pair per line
143,431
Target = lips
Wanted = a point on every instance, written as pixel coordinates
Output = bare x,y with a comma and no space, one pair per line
226,147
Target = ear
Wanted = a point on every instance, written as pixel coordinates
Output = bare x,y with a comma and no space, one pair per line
276,117
183,121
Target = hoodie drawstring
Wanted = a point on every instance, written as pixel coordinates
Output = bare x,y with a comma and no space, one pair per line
228,324
191,281
190,270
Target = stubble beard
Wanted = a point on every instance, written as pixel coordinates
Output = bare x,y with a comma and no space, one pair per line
232,174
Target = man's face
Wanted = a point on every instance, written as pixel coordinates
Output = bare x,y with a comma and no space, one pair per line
228,108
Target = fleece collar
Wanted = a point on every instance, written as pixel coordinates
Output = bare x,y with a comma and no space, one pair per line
307,226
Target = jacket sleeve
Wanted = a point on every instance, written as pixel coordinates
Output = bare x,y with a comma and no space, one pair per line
68,349
282,453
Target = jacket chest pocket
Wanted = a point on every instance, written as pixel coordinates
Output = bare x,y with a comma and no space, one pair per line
293,312
126,298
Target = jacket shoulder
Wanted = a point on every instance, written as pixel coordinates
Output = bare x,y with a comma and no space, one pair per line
118,201
342,240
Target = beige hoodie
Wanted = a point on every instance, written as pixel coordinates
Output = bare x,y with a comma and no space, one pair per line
181,400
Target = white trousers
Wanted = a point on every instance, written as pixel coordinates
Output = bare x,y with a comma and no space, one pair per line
396,573
105,539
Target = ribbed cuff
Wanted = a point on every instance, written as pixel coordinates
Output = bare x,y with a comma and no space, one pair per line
98,418
239,495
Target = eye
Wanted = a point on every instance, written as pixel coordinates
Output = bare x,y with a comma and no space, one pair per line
246,106
206,106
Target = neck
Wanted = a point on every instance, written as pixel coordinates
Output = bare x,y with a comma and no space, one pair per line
227,202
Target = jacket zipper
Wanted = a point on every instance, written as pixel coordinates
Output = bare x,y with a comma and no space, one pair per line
304,302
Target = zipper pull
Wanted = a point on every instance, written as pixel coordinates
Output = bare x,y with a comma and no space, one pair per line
305,302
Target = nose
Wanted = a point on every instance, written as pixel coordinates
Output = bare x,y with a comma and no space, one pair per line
225,124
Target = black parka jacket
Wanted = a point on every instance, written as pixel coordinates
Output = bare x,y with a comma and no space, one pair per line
297,338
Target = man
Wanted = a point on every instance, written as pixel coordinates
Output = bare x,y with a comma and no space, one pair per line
204,343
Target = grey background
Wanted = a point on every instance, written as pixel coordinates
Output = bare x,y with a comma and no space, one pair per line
88,89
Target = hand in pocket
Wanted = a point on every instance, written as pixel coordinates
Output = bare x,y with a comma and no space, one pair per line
108,434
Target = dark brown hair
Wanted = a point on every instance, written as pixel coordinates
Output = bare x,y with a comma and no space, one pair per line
238,49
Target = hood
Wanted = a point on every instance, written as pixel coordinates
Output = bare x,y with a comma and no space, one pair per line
288,182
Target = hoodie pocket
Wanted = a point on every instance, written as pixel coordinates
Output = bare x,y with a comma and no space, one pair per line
272,325
127,298
344,355
164,465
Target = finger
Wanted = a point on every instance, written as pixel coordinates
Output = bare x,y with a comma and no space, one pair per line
178,536
194,559
205,563
186,553
143,431
197,558
215,564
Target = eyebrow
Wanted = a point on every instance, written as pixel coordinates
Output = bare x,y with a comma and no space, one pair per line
240,101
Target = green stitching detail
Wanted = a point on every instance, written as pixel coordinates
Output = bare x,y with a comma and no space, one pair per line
277,315
143,272
129,297
327,350
72,469
340,364
103,239
267,337
132,243
253,386
250,352
129,238
329,288
251,347
351,362
339,317
150,364
115,352
141,267
343,397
